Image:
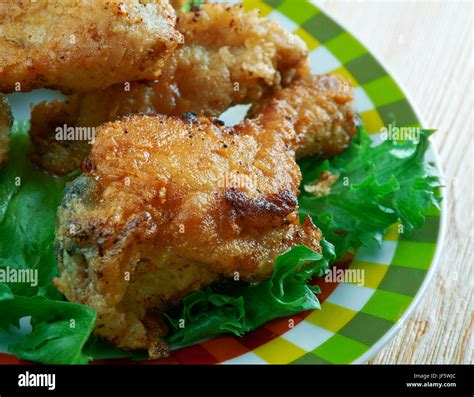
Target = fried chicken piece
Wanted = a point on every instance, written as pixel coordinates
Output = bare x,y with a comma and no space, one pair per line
169,205
229,57
323,108
57,154
75,45
6,120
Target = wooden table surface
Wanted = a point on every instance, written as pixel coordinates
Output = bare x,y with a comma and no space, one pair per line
428,46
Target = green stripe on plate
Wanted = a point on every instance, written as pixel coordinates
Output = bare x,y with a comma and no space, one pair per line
428,233
399,113
322,27
345,47
387,305
310,358
383,91
365,328
339,349
300,14
414,254
273,3
365,69
403,280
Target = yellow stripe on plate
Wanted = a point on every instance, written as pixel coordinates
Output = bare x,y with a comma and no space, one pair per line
331,316
279,351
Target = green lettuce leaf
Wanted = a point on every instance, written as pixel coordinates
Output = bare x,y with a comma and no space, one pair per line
60,329
376,187
206,314
98,349
29,198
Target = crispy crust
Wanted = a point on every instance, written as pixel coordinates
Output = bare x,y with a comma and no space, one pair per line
74,45
229,57
323,110
62,156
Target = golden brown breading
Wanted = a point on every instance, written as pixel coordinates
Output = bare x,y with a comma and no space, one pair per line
74,45
62,156
6,120
168,205
323,107
229,57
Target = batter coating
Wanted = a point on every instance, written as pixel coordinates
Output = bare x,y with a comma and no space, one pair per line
75,45
229,57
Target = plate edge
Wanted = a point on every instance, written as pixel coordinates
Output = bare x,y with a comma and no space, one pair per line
374,349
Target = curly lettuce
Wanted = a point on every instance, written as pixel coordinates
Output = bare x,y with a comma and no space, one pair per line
29,198
206,314
373,187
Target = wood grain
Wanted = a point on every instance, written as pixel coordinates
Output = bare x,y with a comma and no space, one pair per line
428,46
